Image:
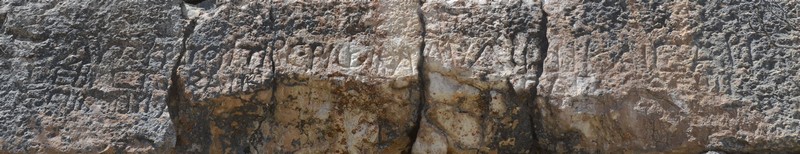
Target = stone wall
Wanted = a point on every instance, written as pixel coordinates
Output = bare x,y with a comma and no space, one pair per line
429,76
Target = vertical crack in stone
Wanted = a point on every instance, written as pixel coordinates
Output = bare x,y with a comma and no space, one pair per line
274,82
421,78
3,16
175,93
544,44
256,137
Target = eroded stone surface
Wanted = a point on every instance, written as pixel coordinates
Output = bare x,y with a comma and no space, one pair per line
225,82
481,66
86,76
678,76
355,62
335,77
511,76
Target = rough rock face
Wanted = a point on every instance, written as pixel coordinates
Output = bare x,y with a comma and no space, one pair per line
300,77
481,68
679,76
86,76
460,76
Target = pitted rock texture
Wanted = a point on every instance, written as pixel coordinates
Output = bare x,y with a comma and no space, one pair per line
87,76
671,76
435,76
300,77
481,63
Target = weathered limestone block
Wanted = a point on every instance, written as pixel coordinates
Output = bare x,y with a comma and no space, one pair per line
86,76
226,77
399,76
480,67
347,77
671,76
300,77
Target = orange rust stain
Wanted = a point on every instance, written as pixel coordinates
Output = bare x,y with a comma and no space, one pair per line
216,132
226,105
